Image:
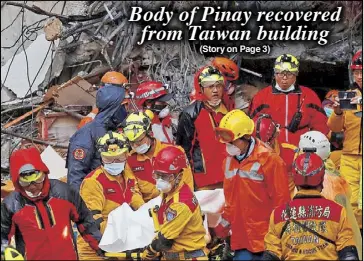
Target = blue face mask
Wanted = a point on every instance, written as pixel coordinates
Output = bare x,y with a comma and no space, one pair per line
328,111
119,115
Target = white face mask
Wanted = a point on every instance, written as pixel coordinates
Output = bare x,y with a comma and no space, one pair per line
164,113
142,148
215,103
114,169
31,195
232,150
163,186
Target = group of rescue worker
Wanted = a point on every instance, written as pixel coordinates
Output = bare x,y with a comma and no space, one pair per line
286,196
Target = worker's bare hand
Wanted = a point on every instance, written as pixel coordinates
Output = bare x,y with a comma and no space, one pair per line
336,106
357,100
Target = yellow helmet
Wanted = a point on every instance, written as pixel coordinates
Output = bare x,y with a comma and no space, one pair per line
234,125
209,76
286,62
136,123
112,144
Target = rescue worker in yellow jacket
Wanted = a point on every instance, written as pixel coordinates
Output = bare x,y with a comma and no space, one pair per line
309,227
144,148
108,186
335,188
181,234
351,121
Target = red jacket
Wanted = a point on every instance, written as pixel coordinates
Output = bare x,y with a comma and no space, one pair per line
282,106
196,135
42,225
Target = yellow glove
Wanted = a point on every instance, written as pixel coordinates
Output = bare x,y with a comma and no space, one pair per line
149,253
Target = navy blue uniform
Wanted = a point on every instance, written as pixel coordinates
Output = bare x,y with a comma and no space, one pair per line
82,156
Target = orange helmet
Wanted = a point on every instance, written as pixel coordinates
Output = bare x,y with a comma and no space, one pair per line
357,61
227,67
114,78
331,95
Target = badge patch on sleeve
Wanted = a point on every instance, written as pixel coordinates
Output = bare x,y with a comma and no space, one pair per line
79,154
170,214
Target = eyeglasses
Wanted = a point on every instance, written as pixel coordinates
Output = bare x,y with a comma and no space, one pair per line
289,75
34,177
166,177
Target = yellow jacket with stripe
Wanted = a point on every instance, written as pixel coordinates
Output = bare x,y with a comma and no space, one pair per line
141,166
180,219
103,193
287,240
352,123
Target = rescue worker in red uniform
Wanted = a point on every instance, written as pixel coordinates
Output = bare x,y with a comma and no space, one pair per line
181,235
351,121
295,108
309,227
195,132
268,131
230,71
109,186
255,183
153,96
144,148
40,211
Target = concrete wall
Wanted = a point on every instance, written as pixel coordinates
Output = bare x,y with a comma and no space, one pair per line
11,34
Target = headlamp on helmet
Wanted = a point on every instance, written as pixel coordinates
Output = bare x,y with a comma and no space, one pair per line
210,76
286,63
136,124
113,144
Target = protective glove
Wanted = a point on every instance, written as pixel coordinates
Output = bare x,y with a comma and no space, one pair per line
222,230
149,253
100,252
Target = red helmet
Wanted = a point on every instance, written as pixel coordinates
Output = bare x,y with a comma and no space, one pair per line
227,67
170,160
152,90
308,170
265,128
357,61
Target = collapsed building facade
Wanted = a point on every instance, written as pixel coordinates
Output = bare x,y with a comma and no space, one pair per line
54,54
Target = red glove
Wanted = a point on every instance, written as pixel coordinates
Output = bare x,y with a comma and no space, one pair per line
222,230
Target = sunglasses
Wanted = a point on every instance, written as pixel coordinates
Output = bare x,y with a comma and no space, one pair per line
37,178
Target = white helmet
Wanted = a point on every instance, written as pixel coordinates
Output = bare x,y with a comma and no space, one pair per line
316,139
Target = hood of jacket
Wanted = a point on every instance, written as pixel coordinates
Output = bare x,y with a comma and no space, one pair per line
108,101
28,156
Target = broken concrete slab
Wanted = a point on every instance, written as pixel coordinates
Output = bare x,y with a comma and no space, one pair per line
55,163
17,78
76,91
